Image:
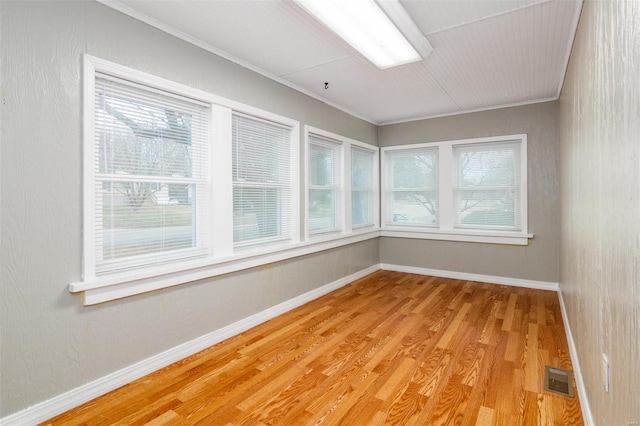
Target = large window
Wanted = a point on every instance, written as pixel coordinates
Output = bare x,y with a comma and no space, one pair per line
467,190
150,154
342,184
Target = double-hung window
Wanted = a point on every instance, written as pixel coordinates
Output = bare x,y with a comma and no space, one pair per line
262,181
412,182
325,184
466,190
149,164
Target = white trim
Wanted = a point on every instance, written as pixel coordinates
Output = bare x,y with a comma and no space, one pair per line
457,235
219,52
516,282
575,361
445,228
75,397
469,111
116,287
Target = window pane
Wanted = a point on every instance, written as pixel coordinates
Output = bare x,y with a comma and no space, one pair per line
487,185
322,209
361,207
141,218
415,208
417,169
257,214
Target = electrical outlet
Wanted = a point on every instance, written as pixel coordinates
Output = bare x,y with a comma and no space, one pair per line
605,372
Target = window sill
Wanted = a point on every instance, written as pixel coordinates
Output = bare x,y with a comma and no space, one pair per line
473,236
114,287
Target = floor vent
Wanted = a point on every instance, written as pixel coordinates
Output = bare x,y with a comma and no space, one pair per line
558,381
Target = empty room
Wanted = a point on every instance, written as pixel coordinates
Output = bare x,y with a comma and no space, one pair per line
306,212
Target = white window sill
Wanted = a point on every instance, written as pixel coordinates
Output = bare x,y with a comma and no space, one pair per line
466,235
104,289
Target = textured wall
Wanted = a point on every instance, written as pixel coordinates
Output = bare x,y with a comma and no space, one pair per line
599,133
50,343
537,261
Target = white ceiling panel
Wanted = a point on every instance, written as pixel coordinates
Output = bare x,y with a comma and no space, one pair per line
487,53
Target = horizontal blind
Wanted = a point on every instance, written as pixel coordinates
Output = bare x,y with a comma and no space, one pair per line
325,184
150,176
362,187
261,181
487,185
413,182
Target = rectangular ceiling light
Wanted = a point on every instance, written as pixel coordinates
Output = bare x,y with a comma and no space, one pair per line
366,27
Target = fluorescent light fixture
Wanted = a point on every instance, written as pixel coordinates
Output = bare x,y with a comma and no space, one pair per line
366,27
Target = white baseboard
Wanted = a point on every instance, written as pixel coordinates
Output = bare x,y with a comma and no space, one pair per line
75,397
577,372
517,282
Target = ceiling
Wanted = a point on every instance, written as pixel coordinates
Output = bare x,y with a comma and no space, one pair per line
487,53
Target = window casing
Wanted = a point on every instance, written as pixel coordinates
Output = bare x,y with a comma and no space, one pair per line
466,190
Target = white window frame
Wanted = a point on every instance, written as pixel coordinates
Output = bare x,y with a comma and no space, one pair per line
346,200
446,229
338,187
222,258
373,190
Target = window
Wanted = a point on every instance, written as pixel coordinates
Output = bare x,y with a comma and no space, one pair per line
150,154
487,189
325,184
363,188
468,190
413,187
181,185
261,181
342,184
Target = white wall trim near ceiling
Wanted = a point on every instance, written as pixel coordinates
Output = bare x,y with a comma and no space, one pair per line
469,111
113,4
577,371
75,397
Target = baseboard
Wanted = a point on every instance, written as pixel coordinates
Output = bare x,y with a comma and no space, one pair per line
577,371
517,282
75,397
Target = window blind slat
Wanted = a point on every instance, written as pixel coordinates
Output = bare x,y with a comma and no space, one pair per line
325,182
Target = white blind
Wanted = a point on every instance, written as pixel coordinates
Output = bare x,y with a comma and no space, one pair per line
413,183
261,181
150,168
487,185
362,187
325,184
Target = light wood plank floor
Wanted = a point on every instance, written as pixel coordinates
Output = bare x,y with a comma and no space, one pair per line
391,348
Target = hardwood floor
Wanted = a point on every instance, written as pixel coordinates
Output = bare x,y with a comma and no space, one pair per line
391,348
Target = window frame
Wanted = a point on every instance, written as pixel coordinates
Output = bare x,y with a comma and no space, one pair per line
346,196
446,229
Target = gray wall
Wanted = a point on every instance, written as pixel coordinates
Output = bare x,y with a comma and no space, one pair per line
50,343
539,260
599,133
